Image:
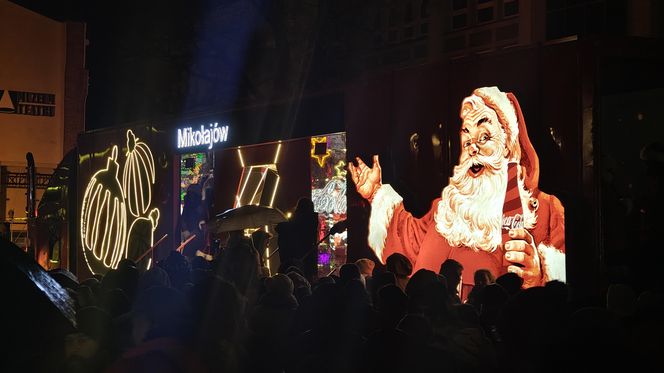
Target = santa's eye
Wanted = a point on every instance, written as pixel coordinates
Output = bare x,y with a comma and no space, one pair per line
466,144
484,138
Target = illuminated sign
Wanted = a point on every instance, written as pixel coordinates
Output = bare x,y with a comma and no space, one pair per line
108,204
188,137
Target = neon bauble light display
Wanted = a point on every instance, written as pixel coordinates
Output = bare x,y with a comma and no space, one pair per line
116,220
138,176
104,216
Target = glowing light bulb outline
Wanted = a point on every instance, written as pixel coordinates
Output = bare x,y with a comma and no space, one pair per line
319,157
119,242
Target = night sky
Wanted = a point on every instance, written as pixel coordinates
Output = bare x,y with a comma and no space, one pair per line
151,60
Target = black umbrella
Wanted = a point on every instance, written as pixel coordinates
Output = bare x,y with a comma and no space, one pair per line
247,216
38,311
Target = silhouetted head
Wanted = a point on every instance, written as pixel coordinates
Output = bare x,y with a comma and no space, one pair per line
483,277
366,266
348,272
160,312
452,270
511,282
399,264
304,206
94,329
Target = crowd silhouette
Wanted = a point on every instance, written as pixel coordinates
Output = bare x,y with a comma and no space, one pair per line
230,315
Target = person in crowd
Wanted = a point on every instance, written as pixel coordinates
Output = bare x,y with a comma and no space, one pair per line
483,277
90,347
219,325
297,238
402,268
240,265
511,282
349,272
261,240
162,333
452,271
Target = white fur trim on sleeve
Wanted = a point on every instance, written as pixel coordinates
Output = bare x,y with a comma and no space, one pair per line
553,263
382,209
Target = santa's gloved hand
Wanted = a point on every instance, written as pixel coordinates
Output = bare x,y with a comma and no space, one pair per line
521,250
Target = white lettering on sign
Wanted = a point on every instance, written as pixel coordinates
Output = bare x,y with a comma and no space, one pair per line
188,137
512,222
332,198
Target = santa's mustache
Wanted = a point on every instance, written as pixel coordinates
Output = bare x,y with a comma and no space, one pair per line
493,162
491,165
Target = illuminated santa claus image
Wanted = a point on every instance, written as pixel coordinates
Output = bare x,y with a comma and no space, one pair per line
491,215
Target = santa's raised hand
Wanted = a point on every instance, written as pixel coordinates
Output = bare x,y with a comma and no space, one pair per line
521,250
367,179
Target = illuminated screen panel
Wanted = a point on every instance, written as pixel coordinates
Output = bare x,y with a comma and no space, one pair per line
277,175
191,170
492,214
328,193
196,185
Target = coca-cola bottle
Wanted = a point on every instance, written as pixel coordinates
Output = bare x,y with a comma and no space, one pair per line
512,208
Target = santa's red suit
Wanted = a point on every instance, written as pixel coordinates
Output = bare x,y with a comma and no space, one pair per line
392,229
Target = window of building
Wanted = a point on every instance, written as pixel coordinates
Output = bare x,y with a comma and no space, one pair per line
459,21
459,4
424,28
510,8
408,13
485,15
459,14
424,9
485,11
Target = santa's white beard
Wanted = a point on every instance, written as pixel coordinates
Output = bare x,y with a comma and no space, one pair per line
470,213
